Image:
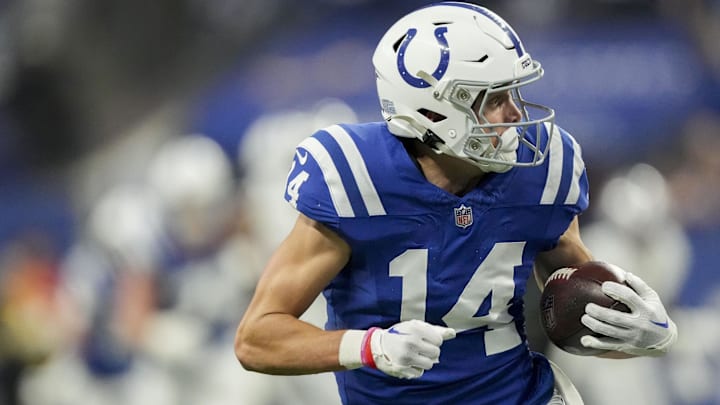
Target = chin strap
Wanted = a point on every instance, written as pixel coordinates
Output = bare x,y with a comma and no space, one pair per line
435,142
404,127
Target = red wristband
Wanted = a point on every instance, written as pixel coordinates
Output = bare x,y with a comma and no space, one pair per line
366,355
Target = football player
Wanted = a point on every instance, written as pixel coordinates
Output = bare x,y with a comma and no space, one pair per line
422,230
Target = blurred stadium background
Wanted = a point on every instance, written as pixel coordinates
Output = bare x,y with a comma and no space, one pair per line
144,147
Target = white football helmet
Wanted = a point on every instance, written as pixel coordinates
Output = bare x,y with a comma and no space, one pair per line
436,62
193,179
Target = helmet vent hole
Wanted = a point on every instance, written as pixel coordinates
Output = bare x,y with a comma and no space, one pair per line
431,115
442,23
397,43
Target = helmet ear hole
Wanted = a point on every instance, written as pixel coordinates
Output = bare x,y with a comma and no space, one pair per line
397,43
431,115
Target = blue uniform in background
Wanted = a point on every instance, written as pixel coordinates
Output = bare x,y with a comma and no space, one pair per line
419,252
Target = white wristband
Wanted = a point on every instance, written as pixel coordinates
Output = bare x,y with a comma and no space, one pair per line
349,353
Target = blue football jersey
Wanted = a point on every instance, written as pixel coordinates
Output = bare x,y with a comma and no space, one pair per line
419,252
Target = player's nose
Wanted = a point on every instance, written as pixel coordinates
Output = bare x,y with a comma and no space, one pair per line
512,112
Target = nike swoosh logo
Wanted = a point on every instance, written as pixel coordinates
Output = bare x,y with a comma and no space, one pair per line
301,158
665,324
395,331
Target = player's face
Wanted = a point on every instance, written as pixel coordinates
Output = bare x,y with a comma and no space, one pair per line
498,108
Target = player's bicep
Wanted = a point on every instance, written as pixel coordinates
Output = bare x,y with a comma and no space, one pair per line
306,261
570,250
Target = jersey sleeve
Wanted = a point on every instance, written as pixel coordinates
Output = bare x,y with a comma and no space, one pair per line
563,183
306,188
329,180
566,182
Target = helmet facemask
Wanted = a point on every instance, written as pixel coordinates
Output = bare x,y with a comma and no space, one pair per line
490,146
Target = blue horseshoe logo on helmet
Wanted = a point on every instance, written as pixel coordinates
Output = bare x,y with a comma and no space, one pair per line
440,70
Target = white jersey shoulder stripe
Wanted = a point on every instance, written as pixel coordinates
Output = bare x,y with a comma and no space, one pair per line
555,168
578,169
359,170
339,196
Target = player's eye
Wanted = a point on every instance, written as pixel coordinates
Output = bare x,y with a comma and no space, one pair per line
495,101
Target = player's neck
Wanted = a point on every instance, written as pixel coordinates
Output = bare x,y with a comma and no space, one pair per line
446,172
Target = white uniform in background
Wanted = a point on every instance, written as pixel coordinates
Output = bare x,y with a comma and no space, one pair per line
176,227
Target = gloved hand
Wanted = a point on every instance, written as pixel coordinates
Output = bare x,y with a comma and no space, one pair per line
405,350
645,331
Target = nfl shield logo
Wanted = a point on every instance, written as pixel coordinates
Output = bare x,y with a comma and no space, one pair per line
463,216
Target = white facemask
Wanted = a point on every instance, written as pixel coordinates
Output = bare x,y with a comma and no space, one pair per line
507,152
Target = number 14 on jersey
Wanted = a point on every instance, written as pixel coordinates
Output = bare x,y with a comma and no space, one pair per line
493,279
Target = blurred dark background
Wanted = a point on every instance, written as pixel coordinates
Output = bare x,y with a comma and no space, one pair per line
90,91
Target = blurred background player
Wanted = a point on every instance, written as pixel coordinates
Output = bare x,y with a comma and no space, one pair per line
154,275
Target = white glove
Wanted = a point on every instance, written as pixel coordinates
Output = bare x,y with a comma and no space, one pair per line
405,350
645,331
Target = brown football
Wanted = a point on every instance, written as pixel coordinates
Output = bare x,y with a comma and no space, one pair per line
563,301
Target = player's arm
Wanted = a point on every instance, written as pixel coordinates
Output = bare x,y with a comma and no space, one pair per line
271,339
570,250
645,331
